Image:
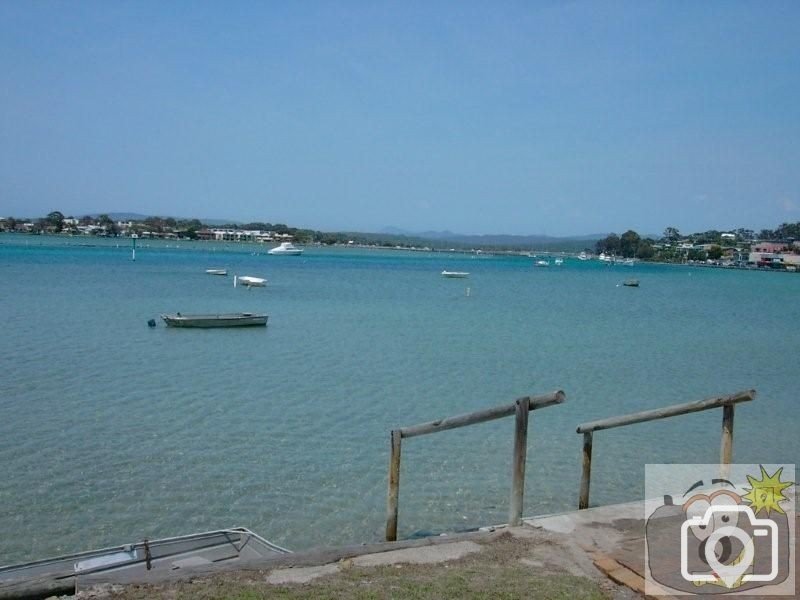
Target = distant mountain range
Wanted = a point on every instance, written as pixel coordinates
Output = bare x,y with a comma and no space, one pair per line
493,239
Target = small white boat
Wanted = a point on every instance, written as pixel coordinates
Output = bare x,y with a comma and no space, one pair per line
583,256
455,274
286,249
207,321
217,271
559,262
542,263
631,283
248,281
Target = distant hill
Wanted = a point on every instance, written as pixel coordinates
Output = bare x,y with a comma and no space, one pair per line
501,240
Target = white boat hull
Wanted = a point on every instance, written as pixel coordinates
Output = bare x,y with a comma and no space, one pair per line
455,274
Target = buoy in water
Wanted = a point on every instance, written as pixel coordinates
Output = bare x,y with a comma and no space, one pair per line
151,323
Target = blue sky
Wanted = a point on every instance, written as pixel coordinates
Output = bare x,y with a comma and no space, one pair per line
549,118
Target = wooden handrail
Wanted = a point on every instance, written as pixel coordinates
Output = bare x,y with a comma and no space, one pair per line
727,404
669,411
521,407
481,416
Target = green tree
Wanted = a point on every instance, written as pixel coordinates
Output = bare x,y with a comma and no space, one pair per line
11,223
55,220
696,254
715,252
671,234
645,250
610,244
629,243
108,224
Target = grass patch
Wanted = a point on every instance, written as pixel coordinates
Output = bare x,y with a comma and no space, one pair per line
496,572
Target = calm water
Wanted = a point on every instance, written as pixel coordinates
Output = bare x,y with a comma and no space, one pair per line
111,431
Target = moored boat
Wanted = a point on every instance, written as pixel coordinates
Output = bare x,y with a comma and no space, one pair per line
455,274
631,283
287,249
217,271
542,263
221,320
248,281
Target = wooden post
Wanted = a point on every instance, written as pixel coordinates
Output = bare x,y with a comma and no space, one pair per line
726,450
520,454
583,501
394,487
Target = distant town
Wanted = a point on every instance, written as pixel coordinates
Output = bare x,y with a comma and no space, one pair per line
777,249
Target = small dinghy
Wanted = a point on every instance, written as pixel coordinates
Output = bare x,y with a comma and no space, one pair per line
631,283
248,281
217,271
207,321
455,274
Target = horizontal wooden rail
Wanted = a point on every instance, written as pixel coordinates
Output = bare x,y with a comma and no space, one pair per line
727,404
481,416
669,411
520,408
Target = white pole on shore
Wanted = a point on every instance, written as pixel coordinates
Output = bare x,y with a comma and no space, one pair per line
133,249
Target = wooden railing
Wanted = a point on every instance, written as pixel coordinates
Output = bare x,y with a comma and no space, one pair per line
520,408
726,450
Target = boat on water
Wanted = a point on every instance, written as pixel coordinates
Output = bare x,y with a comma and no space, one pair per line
631,283
248,281
605,258
559,261
542,263
217,271
138,562
286,249
455,274
583,256
222,320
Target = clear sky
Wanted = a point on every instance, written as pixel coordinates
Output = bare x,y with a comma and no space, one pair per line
525,117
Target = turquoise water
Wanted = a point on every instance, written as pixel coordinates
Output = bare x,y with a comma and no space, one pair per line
111,431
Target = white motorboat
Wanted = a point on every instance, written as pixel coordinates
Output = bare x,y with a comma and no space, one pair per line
583,256
207,321
286,249
248,281
559,262
542,263
455,274
217,271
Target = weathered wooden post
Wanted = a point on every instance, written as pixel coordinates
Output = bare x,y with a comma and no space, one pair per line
726,448
726,451
394,487
586,476
520,455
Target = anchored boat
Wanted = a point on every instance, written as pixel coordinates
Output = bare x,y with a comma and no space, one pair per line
248,281
455,274
207,321
287,249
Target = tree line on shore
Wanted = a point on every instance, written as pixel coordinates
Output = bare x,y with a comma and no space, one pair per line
672,246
